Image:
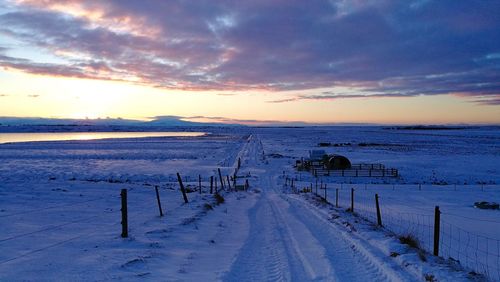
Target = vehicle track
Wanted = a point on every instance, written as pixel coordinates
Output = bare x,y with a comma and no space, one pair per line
289,241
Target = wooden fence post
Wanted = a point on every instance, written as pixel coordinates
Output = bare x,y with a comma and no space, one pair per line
337,197
437,227
158,200
379,216
199,182
221,180
215,182
182,188
124,213
228,182
211,184
352,199
325,194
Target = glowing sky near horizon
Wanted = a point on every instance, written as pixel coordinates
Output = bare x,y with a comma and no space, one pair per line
313,61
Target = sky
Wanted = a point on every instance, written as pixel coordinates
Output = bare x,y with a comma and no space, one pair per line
317,61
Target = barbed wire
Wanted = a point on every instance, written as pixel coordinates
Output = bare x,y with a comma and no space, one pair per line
52,207
88,234
46,229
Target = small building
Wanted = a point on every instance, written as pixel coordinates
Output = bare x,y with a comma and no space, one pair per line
337,162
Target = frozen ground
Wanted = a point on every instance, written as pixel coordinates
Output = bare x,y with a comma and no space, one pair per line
60,218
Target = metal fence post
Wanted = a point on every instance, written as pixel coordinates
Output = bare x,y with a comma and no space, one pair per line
352,199
337,197
182,188
437,227
158,199
124,213
379,217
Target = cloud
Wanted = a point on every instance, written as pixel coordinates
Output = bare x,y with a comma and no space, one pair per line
254,122
486,100
285,100
33,96
384,48
226,94
336,96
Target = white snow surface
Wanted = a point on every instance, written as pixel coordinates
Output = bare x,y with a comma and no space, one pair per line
60,207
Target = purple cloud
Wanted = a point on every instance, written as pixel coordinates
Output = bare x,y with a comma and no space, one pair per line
382,48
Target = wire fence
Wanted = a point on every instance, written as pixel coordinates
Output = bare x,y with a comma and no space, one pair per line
459,239
53,235
478,253
41,229
417,225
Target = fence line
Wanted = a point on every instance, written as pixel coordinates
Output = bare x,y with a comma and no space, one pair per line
355,172
473,251
476,252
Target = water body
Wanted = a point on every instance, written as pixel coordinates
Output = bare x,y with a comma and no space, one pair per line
65,136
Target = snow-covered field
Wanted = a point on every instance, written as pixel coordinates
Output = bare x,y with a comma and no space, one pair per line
60,207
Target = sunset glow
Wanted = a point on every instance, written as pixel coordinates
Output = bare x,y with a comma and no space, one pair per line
252,62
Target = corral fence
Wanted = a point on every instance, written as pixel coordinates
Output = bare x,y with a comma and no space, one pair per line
356,172
434,230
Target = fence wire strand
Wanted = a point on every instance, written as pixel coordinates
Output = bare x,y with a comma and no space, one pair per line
475,252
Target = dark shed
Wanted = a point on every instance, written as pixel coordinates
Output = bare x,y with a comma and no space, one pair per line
337,162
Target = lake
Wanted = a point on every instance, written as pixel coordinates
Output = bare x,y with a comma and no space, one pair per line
65,136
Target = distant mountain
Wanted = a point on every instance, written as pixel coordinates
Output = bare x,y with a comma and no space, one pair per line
178,121
164,121
17,121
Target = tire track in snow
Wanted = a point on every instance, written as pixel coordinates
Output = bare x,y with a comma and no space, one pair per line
290,241
343,246
272,251
262,257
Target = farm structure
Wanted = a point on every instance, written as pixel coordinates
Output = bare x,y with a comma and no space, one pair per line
320,163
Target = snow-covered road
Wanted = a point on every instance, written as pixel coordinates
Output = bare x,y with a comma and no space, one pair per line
289,241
